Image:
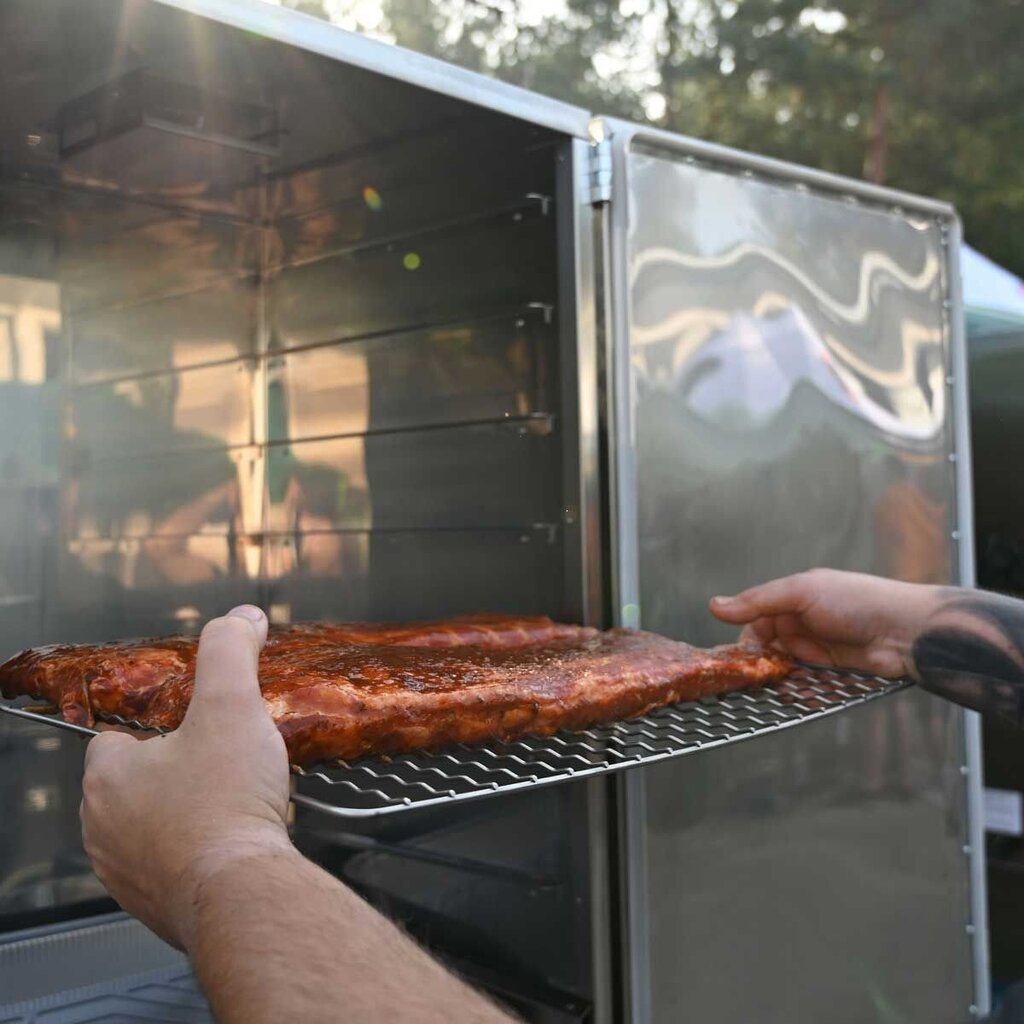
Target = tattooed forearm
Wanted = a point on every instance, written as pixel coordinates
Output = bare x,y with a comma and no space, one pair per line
972,652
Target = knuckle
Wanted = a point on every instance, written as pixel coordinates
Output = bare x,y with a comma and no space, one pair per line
101,752
811,579
93,784
105,745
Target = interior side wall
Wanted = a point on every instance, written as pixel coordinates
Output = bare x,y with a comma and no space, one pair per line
275,330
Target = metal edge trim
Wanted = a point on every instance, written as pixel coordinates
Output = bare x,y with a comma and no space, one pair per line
49,931
779,170
625,554
578,327
587,385
973,765
625,577
54,720
320,37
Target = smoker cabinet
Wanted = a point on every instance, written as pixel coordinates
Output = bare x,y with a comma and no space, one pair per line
292,317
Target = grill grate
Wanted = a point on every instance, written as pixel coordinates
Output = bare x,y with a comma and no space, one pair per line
374,786
380,786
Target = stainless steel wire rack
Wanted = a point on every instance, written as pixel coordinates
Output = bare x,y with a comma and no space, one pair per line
374,786
371,787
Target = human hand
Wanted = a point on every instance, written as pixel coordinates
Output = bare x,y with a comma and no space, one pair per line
160,816
835,618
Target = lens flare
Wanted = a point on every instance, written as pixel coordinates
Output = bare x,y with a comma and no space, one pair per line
411,261
372,198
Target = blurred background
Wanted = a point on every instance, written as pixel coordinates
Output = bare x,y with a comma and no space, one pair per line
922,95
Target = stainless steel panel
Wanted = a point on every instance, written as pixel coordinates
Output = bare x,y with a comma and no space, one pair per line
434,872
177,494
398,64
478,476
711,154
413,574
207,407
103,266
408,183
142,586
788,406
212,324
154,130
817,879
491,368
41,861
431,278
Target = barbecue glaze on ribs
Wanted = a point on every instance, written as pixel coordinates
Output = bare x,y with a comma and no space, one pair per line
343,691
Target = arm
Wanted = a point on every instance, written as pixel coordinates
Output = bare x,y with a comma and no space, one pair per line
276,938
965,645
188,833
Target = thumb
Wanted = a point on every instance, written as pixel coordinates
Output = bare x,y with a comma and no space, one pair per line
227,682
785,596
738,610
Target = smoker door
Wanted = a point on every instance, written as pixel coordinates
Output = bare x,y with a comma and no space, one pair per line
783,365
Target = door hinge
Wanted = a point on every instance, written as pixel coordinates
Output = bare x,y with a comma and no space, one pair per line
601,172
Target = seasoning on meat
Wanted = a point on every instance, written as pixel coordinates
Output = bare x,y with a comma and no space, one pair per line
348,690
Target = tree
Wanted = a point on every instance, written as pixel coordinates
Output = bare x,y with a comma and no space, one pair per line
924,95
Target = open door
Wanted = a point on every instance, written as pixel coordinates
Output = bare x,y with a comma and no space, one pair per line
787,370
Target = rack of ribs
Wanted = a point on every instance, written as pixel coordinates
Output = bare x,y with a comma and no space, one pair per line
344,691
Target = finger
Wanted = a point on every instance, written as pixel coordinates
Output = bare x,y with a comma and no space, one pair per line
256,618
788,626
786,633
761,631
787,595
227,666
803,648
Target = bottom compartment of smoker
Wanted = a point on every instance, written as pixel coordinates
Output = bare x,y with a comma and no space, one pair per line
171,995
158,985
373,786
168,995
106,968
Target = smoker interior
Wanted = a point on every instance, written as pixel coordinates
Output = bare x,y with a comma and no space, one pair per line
276,329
